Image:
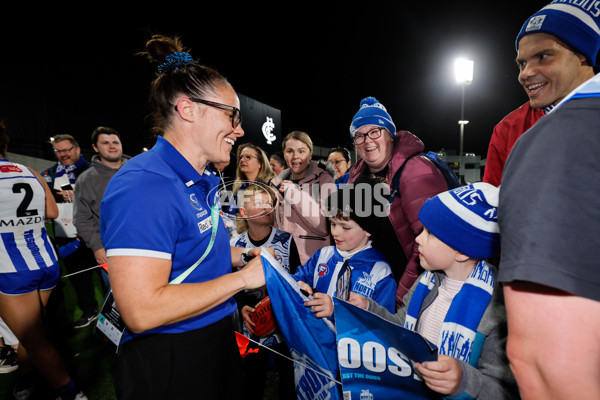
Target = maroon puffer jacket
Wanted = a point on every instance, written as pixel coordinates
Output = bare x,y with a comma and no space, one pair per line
420,181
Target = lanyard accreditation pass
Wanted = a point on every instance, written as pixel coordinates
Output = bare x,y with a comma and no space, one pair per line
214,218
110,326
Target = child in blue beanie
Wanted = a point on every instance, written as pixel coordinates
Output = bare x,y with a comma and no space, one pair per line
456,303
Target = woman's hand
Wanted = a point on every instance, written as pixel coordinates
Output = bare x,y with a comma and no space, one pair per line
443,376
253,274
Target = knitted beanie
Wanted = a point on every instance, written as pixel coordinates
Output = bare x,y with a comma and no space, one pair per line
465,219
372,112
575,24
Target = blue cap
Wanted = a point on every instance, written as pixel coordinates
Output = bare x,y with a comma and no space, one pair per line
372,112
576,25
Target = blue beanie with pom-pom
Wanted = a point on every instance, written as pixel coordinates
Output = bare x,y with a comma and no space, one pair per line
372,112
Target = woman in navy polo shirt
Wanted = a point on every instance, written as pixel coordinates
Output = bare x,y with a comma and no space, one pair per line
169,258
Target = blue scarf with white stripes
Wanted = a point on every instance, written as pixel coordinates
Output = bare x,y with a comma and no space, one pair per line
460,324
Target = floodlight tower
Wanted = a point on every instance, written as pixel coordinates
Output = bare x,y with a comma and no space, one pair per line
463,71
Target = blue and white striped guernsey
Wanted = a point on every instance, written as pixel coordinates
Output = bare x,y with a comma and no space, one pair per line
24,242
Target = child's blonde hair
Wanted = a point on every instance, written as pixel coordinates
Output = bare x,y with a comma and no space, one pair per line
244,195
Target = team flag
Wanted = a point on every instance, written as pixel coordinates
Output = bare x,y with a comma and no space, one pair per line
311,340
377,357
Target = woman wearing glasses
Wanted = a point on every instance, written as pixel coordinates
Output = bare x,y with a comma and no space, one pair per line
252,166
382,150
302,189
339,157
169,258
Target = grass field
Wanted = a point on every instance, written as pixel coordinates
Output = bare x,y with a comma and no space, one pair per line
86,357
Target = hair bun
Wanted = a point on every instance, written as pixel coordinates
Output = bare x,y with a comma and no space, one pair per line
174,60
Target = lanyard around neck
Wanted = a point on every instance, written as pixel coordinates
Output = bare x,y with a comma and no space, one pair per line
214,217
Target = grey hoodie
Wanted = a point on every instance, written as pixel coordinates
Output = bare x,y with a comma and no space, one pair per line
88,193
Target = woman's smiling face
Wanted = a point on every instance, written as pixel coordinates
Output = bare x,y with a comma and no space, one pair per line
375,152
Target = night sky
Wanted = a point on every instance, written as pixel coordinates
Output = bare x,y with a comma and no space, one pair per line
314,63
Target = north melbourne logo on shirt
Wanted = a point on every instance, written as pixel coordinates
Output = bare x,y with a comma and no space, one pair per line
322,270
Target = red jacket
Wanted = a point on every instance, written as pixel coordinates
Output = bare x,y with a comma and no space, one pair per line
504,137
420,181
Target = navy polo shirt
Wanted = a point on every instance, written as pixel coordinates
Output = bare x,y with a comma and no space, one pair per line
157,205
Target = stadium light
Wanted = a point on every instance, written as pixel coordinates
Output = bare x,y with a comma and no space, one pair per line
463,72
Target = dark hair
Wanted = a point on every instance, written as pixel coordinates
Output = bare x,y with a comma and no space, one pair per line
342,150
103,130
4,139
278,156
62,138
188,78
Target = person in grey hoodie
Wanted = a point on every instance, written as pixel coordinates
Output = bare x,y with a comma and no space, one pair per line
90,189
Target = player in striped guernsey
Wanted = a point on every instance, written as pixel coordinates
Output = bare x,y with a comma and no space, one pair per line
28,272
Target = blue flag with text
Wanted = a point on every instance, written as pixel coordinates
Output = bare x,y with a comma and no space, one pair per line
376,357
312,341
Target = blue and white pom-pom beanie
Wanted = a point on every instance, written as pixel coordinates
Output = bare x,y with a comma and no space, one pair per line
372,112
465,219
575,23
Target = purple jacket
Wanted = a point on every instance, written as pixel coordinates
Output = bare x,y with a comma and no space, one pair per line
420,181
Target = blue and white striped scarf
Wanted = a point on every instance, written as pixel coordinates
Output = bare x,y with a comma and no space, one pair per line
69,170
460,324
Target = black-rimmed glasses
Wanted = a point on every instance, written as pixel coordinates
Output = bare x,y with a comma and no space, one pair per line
236,117
373,134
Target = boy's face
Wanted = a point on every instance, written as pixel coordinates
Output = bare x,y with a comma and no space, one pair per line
348,235
434,254
258,209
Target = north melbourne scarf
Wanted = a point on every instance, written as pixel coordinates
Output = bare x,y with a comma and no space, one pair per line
460,324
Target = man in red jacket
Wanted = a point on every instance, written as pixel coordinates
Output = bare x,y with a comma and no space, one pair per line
553,60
